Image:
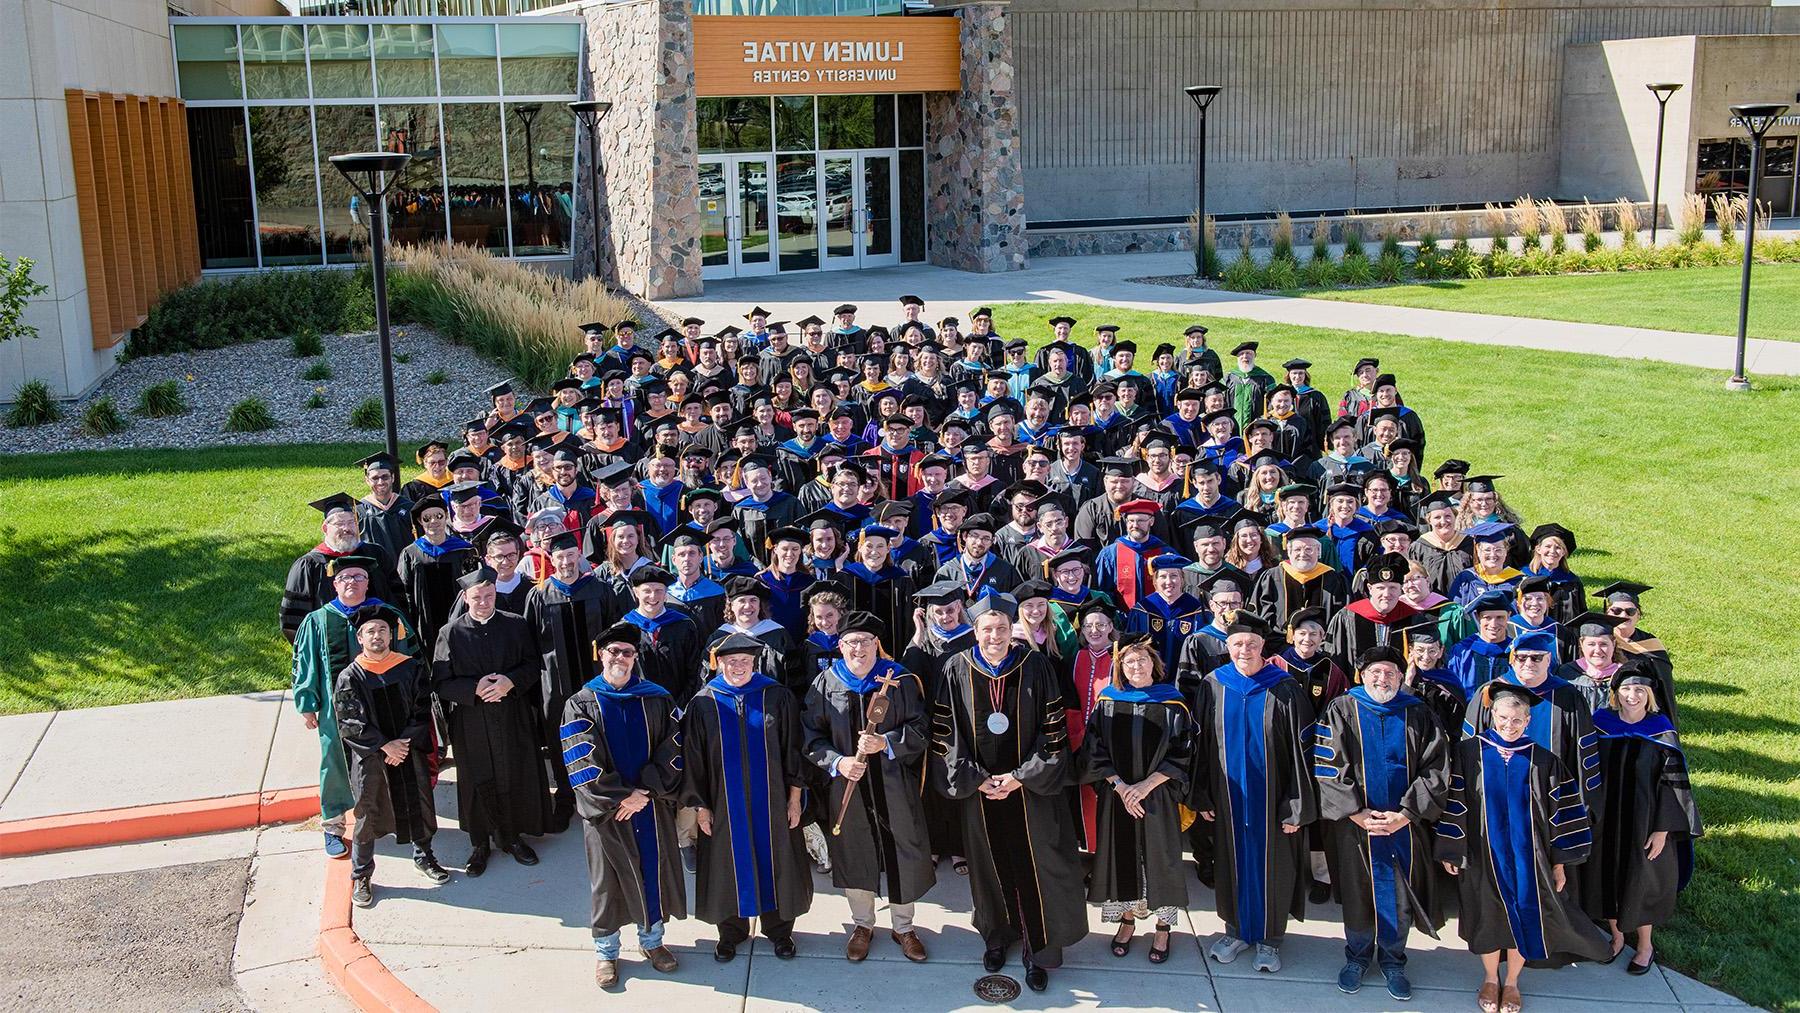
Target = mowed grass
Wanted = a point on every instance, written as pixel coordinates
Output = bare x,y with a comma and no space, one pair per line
147,575
1698,300
153,574
1666,478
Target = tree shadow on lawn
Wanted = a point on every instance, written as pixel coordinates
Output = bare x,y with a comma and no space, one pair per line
141,613
161,461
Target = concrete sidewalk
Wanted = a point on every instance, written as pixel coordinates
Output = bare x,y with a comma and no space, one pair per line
1103,280
58,762
474,944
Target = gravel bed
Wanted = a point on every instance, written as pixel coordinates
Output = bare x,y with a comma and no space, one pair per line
1176,281
214,380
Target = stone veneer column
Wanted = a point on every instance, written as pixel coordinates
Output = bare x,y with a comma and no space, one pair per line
976,184
640,57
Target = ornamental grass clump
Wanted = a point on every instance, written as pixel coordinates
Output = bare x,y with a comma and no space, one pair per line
1281,240
32,406
102,418
1528,221
1319,272
305,343
1242,275
1729,211
162,400
1556,225
1691,227
316,371
251,415
1626,211
1353,246
1591,223
368,414
1321,240
1282,275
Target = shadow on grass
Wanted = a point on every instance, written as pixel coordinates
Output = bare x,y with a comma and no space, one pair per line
143,613
92,463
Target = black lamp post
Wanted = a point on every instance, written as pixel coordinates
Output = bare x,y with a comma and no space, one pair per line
1757,119
379,170
590,113
1203,95
526,113
1662,91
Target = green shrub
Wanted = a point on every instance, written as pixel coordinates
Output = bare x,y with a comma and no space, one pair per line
1536,261
1356,271
1319,272
368,415
1636,257
16,289
1353,246
33,406
162,400
251,415
256,307
1321,240
1603,259
1591,241
316,400
1281,240
102,418
437,377
305,343
1463,262
1390,267
1242,275
402,357
1282,275
320,370
1390,246
1502,262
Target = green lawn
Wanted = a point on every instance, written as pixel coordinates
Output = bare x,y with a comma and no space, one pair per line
147,575
1701,300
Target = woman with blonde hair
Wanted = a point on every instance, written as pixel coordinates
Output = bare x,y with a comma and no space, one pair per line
1250,549
1036,625
1481,502
1138,751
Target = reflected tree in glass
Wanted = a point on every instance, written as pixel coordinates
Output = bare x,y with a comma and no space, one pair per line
341,129
541,214
477,194
416,202
340,61
287,206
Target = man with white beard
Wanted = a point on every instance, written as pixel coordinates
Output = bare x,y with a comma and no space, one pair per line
309,587
1383,768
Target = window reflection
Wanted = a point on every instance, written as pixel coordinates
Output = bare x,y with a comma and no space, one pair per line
797,212
343,129
403,61
286,201
477,195
416,202
340,61
219,154
540,155
274,61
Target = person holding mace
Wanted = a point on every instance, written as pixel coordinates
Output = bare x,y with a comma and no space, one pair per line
868,729
1000,746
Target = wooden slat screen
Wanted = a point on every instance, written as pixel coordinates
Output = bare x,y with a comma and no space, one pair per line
134,193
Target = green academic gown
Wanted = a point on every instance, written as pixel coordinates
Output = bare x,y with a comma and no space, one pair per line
323,646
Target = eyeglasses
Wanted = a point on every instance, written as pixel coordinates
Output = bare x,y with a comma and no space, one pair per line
1621,610
622,652
352,578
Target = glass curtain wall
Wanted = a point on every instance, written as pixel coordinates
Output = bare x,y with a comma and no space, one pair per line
480,105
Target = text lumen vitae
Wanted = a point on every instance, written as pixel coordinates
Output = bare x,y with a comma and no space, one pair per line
827,52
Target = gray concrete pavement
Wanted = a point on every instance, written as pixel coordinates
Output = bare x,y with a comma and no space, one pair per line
1103,281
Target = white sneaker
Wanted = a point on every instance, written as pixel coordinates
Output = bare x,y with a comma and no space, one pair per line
1227,949
1268,958
815,846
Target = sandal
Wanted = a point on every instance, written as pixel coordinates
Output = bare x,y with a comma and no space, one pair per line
1122,939
1510,1000
1489,997
1159,954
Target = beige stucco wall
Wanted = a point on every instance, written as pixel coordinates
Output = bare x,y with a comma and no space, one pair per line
46,46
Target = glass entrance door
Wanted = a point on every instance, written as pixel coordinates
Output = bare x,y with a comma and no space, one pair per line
858,193
735,237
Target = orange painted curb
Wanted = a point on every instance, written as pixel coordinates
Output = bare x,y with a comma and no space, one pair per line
155,822
356,971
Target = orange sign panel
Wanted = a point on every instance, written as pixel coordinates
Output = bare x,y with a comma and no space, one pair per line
825,56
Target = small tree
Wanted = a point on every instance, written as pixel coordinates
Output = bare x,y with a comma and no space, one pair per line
16,289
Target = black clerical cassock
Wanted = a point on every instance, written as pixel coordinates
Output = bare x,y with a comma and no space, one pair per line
1387,757
501,790
1024,872
883,840
564,619
1255,736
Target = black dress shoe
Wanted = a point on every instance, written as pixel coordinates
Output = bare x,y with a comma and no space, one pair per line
1204,871
994,959
428,867
1037,979
724,952
1318,893
559,821
1636,968
522,853
478,860
784,947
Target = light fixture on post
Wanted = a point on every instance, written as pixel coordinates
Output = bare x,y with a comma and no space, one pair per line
1756,118
590,112
1203,95
1662,91
371,173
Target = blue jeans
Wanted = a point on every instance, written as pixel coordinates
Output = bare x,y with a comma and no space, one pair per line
607,947
362,855
1360,948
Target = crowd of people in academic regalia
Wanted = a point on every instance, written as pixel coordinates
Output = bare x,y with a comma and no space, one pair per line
757,601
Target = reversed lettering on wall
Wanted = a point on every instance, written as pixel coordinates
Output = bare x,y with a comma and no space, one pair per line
793,55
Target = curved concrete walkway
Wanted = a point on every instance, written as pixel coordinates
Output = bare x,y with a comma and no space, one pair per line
1102,280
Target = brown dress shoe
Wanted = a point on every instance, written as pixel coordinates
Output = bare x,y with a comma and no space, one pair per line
910,945
858,947
661,958
606,973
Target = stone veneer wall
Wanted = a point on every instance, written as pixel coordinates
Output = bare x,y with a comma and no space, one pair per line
640,57
975,204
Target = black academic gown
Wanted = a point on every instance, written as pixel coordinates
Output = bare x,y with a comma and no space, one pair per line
925,659
1505,824
760,518
564,620
887,595
429,582
619,741
1278,594
1132,738
1647,790
1561,723
373,709
883,845
1442,565
742,751
308,588
1358,627
1024,870
1255,750
390,527
501,791
1392,757
670,652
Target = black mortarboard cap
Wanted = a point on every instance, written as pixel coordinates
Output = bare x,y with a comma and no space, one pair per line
333,503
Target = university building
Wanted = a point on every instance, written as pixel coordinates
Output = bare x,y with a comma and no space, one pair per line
150,143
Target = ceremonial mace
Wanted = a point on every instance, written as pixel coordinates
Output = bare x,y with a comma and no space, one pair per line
877,712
